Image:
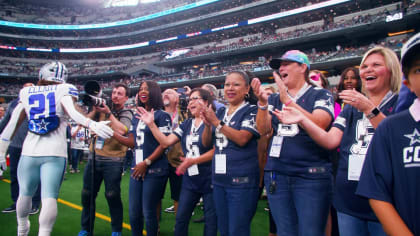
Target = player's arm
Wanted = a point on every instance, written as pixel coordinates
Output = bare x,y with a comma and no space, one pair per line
100,128
389,218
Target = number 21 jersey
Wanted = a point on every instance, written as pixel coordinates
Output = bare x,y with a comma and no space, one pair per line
47,121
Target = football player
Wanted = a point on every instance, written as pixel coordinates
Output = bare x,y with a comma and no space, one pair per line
44,151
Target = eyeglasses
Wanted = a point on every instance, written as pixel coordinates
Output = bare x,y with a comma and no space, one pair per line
315,77
194,98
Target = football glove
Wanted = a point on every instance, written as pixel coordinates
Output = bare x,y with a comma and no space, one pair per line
101,128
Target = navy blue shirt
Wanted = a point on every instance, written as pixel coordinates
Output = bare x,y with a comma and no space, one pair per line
145,143
241,162
192,146
298,154
357,134
391,172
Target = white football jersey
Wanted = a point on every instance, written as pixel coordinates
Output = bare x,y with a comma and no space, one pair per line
47,121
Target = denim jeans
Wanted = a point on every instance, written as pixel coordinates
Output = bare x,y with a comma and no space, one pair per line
350,225
299,206
76,155
235,208
144,196
187,202
14,154
110,172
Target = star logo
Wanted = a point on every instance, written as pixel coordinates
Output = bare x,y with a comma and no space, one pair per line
414,137
42,125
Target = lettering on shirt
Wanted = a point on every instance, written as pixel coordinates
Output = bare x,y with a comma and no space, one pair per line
411,154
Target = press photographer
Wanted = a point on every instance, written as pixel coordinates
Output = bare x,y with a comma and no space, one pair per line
109,157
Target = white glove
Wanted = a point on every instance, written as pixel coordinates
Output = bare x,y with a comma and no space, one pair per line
101,128
4,144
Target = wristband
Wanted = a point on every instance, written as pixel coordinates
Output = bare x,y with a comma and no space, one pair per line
262,107
288,103
148,161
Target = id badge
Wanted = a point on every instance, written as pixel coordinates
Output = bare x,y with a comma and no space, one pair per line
355,166
99,143
139,156
193,170
276,146
220,164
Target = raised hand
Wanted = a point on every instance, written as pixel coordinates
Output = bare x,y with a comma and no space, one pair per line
289,115
147,117
256,87
356,100
284,98
209,117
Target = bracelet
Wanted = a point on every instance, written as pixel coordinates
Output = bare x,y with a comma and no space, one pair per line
288,103
262,107
148,161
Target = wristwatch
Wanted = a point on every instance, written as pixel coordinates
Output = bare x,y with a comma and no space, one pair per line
373,113
148,161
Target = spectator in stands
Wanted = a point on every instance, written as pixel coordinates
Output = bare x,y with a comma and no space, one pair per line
196,165
235,161
149,171
352,131
298,172
349,80
391,171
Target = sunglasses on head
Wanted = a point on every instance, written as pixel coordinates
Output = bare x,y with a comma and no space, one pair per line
315,77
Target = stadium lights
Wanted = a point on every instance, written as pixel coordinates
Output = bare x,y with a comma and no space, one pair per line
188,35
400,32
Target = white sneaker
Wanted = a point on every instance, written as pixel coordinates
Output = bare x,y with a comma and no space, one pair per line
170,209
23,230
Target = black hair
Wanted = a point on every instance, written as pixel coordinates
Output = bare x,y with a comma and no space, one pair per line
206,96
155,95
340,85
246,75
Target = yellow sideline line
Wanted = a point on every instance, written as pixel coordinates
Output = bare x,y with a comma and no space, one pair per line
77,207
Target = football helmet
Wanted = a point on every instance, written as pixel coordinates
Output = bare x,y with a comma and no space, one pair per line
53,71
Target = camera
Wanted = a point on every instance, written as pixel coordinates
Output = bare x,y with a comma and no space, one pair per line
92,94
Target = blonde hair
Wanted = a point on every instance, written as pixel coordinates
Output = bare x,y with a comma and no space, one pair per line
392,63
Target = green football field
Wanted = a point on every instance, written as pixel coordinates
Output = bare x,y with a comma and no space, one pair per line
69,211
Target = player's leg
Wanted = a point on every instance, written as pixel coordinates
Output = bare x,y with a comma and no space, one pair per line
28,178
52,172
